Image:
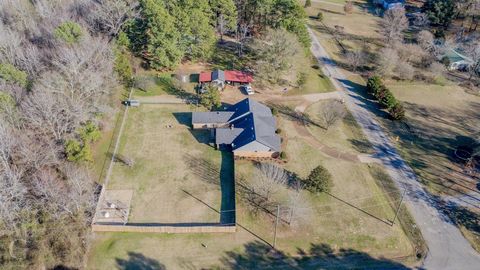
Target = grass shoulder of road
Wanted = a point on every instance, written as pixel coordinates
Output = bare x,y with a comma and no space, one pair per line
346,135
315,80
404,218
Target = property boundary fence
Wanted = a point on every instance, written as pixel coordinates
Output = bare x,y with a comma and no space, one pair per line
165,228
99,226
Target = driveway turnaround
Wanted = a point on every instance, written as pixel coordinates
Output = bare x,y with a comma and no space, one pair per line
448,249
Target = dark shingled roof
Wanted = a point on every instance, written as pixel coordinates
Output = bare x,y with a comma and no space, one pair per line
252,126
256,128
227,135
218,74
211,117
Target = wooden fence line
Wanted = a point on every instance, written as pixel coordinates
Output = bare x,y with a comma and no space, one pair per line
164,229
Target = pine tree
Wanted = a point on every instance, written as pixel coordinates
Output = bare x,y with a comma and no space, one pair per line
440,12
319,180
161,48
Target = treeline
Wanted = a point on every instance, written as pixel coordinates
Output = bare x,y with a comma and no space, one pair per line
167,32
56,74
385,97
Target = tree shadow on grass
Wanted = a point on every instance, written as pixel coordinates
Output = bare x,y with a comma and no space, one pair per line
461,216
293,115
359,94
257,255
223,178
137,261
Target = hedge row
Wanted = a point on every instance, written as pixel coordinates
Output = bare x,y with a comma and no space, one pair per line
385,97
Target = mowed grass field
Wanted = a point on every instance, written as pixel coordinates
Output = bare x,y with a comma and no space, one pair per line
158,139
441,116
347,229
440,119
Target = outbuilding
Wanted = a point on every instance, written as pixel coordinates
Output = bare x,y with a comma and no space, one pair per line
220,77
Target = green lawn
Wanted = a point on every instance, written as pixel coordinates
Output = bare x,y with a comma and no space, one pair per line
316,81
147,85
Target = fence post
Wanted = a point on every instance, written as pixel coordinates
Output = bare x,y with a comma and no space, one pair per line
399,205
276,225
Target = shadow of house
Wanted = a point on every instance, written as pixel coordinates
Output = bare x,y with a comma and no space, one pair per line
227,187
201,135
257,255
223,178
137,261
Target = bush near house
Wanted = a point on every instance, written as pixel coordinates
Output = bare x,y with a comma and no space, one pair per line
211,98
385,97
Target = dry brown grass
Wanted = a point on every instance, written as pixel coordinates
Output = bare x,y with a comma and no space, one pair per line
352,221
157,137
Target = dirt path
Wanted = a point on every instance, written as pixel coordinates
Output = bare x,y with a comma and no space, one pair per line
448,249
160,99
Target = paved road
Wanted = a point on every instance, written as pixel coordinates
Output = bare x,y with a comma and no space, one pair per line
448,249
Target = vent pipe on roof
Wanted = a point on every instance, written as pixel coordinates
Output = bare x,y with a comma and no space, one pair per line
231,126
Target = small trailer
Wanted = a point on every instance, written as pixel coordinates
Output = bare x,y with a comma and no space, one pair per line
131,103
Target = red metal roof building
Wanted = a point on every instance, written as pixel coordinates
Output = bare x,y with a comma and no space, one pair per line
233,76
205,77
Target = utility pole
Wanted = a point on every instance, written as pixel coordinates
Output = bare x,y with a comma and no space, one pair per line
276,225
400,204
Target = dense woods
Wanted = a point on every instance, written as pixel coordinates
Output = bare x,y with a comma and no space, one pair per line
60,61
56,73
167,32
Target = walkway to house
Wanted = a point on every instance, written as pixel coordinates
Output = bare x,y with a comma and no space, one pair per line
161,99
307,100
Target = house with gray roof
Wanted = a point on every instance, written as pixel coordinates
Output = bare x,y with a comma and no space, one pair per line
246,128
457,60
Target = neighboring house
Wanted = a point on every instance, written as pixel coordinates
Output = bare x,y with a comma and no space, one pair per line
220,77
246,128
389,4
457,61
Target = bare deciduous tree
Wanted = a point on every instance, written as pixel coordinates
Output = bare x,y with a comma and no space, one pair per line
300,209
420,19
242,33
387,59
426,40
268,179
393,24
473,51
49,114
12,191
436,69
356,59
404,70
331,112
109,15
